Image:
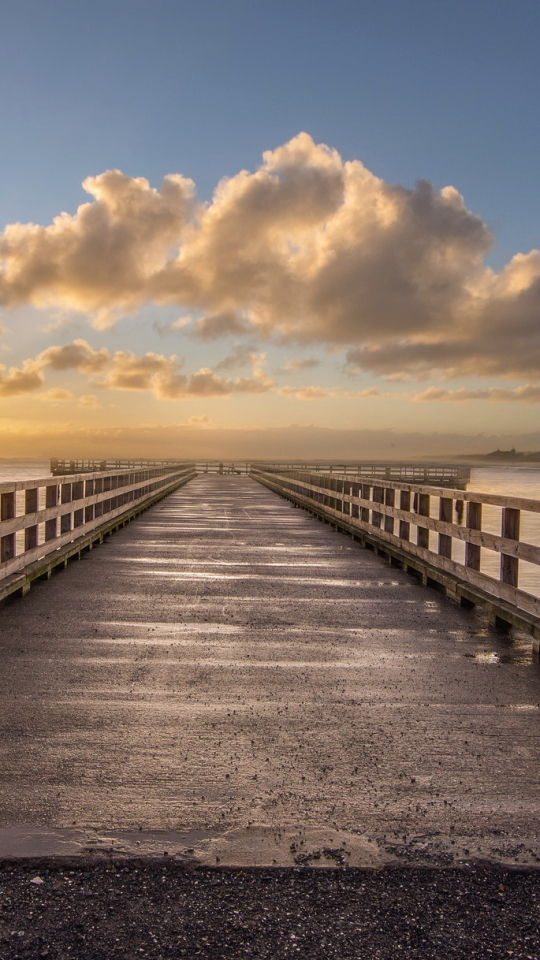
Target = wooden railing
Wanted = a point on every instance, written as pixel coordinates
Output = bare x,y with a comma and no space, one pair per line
414,525
44,522
62,468
438,473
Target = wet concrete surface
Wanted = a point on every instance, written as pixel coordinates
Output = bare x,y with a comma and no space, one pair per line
230,681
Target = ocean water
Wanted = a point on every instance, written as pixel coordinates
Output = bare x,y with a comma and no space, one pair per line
511,481
26,469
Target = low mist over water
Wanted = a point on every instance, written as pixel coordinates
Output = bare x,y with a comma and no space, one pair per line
23,469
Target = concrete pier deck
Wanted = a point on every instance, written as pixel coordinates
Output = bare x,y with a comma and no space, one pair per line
229,680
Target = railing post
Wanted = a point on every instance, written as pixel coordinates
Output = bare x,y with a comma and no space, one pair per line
445,513
355,491
30,506
378,497
51,500
389,499
422,538
510,531
7,512
366,495
404,504
473,521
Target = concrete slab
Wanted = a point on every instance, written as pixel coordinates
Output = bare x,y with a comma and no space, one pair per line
227,662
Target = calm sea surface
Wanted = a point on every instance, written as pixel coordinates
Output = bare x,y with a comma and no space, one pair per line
510,481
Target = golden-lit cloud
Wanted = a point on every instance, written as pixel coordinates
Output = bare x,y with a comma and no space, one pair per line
307,363
88,400
200,421
219,325
241,355
58,395
528,393
21,380
323,393
100,260
125,370
164,377
307,249
78,355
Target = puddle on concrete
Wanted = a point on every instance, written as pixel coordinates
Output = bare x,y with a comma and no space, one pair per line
169,628
186,562
30,841
255,845
492,657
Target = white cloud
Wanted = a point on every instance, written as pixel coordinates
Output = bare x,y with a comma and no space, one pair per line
309,249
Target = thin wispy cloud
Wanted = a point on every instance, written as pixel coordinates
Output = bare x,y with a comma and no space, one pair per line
307,363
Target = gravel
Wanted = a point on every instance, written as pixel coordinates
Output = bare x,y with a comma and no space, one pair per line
157,909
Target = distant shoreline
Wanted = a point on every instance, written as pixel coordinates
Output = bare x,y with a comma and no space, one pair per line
504,456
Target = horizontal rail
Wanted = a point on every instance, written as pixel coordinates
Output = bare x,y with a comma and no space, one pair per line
413,472
41,519
67,467
399,518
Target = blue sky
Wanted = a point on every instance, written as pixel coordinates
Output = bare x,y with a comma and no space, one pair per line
447,92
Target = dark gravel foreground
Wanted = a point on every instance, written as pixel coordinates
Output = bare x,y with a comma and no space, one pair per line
160,909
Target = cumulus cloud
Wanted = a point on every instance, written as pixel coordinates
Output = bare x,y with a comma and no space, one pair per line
125,370
240,356
78,355
163,376
307,248
88,400
219,325
200,421
21,380
130,372
100,260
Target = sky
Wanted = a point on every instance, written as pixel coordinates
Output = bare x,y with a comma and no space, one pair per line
231,228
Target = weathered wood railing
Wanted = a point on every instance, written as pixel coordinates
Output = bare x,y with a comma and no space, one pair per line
444,474
45,522
413,525
63,468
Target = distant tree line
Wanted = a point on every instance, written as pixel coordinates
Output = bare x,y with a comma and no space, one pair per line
513,455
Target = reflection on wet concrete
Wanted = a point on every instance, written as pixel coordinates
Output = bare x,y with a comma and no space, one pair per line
227,678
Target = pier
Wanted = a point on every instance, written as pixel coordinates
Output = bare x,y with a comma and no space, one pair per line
228,680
